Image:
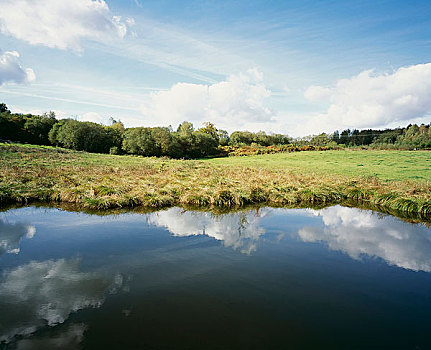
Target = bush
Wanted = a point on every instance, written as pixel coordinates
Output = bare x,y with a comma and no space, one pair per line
114,150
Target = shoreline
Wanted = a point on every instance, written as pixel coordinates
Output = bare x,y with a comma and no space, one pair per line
403,207
409,217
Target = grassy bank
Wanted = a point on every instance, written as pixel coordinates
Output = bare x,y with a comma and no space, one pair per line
397,180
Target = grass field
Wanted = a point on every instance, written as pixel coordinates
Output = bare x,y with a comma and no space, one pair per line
396,180
385,165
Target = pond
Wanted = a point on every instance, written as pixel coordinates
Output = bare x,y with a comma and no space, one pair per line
334,278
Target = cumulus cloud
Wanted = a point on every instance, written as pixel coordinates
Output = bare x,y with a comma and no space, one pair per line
237,230
359,232
45,293
238,100
12,234
11,69
373,100
60,23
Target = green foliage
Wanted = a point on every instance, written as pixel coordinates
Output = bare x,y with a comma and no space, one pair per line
185,129
25,127
115,133
411,137
12,127
242,138
138,141
196,144
156,141
53,133
204,145
238,138
114,150
3,108
162,141
210,129
322,139
81,136
39,126
388,136
91,137
223,137
356,137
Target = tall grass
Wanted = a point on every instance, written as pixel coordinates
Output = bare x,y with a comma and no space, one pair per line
97,181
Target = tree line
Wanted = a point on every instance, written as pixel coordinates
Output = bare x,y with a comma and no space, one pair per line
185,141
410,137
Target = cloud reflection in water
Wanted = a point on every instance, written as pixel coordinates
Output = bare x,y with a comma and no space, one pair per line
12,234
68,338
360,232
238,230
45,293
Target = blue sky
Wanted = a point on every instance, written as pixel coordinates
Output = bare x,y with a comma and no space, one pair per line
296,67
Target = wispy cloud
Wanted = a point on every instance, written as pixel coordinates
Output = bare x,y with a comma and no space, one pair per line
70,100
177,50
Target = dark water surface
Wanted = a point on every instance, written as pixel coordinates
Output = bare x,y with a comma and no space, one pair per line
336,278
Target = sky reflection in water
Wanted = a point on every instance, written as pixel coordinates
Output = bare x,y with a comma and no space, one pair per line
79,262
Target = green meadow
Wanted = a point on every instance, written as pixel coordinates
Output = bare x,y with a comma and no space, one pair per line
391,180
384,165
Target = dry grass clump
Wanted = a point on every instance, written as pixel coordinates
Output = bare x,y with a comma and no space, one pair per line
105,181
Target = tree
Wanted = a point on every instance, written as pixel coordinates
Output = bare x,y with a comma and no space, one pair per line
162,141
345,137
3,108
204,145
39,126
185,129
335,136
139,141
53,133
210,129
223,137
186,140
322,139
238,138
81,136
114,134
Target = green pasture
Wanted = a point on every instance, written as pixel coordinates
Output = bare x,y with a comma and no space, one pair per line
385,165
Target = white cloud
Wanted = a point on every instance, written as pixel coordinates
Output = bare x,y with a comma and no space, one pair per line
373,100
359,232
60,23
93,117
12,234
11,69
238,100
59,114
41,293
237,230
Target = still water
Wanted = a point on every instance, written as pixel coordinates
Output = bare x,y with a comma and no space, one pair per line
335,278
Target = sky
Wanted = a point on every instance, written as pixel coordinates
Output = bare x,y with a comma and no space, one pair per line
293,67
